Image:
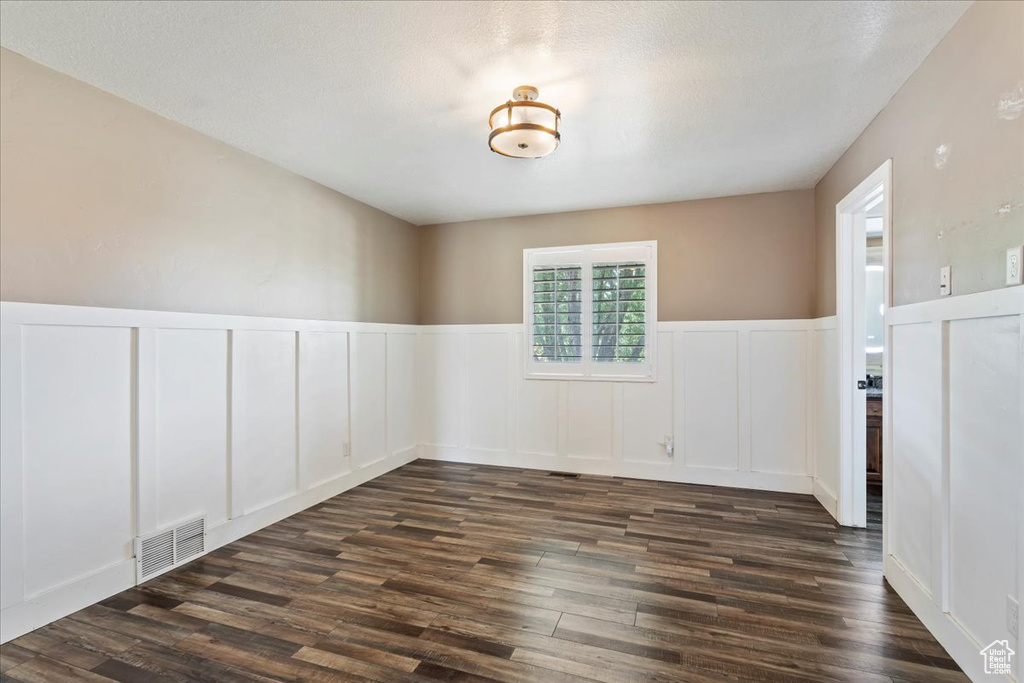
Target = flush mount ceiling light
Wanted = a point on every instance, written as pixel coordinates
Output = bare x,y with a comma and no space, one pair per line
523,127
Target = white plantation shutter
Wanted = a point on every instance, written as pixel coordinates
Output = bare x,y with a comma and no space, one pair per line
619,312
557,314
590,311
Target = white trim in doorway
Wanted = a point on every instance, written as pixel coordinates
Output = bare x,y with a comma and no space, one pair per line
850,251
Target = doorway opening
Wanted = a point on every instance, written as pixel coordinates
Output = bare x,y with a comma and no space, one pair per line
863,289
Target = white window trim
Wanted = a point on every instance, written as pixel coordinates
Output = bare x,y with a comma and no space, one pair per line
585,256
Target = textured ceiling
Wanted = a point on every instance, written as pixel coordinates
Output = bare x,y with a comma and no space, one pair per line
388,102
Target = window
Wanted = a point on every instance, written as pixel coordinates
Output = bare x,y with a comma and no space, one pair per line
590,311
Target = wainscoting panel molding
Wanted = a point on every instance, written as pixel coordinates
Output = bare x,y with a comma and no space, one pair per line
369,401
76,397
648,409
954,468
263,420
182,418
824,415
708,399
323,407
400,366
916,463
117,423
733,396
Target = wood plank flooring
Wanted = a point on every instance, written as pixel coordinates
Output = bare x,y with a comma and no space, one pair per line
441,571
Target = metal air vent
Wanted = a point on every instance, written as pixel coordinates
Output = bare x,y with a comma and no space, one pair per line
162,550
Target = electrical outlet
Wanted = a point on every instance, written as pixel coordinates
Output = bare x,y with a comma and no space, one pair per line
1012,616
945,284
1014,270
347,449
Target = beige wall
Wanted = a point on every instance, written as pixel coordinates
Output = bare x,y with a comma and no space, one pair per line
966,211
749,257
106,204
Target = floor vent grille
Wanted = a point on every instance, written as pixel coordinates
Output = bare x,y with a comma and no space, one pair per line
564,475
162,550
155,553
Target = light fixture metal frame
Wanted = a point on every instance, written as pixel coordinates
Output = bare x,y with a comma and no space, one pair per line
508,107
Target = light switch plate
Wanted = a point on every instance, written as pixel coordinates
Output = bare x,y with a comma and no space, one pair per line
945,284
1014,269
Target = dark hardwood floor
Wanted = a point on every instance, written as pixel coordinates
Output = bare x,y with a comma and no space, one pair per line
469,573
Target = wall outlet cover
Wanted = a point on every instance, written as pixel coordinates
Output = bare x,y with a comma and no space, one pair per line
1014,266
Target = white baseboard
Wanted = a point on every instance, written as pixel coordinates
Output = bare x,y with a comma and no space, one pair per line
960,645
39,610
826,497
765,481
234,529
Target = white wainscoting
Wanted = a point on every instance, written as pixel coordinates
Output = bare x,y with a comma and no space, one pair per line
954,477
116,423
736,396
826,413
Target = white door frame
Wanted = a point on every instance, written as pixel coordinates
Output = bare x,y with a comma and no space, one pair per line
850,262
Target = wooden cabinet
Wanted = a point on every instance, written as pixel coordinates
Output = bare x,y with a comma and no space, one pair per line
874,452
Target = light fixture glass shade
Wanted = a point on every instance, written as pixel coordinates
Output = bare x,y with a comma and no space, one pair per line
524,128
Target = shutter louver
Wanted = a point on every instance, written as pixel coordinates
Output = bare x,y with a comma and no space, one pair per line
620,314
557,314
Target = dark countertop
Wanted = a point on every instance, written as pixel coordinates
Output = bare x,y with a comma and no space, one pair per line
874,393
